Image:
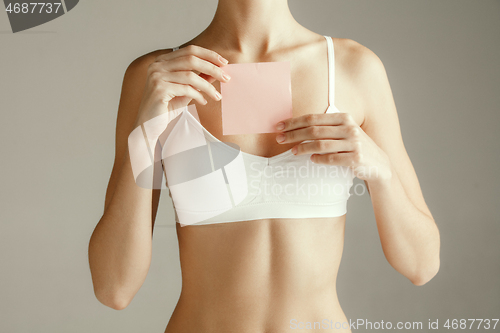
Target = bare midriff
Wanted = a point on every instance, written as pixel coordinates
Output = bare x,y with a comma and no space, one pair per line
260,276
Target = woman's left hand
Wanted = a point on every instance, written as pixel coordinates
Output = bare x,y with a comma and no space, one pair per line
336,140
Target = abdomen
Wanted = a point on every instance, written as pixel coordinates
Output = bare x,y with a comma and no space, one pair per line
258,275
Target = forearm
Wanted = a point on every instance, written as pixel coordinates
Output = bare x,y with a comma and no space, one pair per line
120,246
410,238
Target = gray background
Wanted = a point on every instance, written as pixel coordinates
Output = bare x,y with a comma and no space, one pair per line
59,91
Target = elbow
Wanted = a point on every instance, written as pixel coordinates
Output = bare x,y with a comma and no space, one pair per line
106,291
425,275
114,300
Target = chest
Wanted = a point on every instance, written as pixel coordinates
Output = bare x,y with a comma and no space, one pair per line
309,96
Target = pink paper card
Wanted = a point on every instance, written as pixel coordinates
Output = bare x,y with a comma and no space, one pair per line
258,96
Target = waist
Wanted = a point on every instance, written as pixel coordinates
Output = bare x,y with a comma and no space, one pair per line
260,269
274,312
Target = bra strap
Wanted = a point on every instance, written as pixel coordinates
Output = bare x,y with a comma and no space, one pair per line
331,71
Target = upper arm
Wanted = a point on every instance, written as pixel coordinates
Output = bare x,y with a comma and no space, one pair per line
134,81
381,122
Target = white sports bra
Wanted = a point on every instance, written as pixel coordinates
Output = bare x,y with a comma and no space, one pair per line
211,181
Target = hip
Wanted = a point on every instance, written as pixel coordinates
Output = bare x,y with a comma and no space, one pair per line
274,312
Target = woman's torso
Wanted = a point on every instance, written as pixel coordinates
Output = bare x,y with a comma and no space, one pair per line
267,275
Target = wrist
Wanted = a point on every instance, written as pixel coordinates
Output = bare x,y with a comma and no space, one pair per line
383,178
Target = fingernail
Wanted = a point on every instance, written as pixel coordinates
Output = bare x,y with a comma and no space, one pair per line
280,126
223,60
280,138
219,96
294,150
225,76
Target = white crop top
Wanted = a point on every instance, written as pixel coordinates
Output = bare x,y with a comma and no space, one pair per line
211,181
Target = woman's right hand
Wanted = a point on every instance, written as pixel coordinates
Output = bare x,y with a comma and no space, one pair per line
172,83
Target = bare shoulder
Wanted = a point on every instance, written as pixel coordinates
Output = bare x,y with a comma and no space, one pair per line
381,121
138,67
363,71
150,56
356,59
134,81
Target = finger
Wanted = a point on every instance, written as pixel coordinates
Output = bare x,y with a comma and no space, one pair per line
189,77
194,59
176,89
333,119
324,146
209,78
313,133
197,65
198,51
344,159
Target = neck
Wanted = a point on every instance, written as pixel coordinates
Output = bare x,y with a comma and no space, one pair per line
253,27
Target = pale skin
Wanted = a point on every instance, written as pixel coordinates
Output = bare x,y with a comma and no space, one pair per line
256,276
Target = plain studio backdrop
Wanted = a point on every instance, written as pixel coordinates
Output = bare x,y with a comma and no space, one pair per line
59,90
